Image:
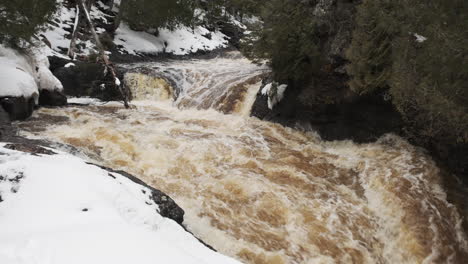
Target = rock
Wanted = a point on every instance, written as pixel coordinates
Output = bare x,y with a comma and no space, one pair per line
57,62
29,148
5,124
167,207
361,119
78,80
88,79
18,108
52,98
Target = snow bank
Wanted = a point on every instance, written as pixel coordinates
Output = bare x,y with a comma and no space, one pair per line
59,209
25,74
180,41
16,76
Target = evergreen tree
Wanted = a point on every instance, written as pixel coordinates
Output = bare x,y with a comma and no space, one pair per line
418,51
152,14
288,39
20,19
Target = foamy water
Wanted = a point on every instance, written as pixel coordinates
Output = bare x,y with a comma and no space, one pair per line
258,191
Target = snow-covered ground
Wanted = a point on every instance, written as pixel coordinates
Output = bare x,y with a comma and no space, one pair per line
59,209
180,41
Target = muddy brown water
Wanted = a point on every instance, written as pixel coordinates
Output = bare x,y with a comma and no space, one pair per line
258,191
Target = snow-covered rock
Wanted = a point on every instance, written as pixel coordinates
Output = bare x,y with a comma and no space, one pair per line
56,208
25,80
24,74
274,92
16,75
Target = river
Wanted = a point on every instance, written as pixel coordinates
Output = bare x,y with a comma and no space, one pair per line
258,191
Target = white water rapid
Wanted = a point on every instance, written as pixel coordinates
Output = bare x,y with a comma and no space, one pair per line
258,191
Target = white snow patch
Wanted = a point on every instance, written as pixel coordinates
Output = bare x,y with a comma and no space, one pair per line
62,210
70,64
419,38
137,42
274,92
180,41
84,101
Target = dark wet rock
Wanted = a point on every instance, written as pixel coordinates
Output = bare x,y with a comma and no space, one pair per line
362,119
52,98
57,62
5,124
79,80
29,148
18,108
88,79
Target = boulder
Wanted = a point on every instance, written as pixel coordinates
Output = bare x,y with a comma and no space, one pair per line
79,79
56,62
18,108
5,124
87,79
52,98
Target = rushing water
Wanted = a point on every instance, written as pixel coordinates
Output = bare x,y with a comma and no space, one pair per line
258,191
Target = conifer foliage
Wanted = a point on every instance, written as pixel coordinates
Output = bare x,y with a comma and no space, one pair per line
418,51
20,19
289,39
152,14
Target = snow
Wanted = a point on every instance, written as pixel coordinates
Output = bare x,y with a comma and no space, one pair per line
85,101
44,77
274,95
419,38
16,75
137,42
180,41
55,33
70,64
26,73
58,209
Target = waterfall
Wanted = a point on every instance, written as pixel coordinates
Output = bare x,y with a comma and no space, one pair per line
258,191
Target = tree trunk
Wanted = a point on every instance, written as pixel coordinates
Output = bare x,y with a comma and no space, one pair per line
71,49
102,53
